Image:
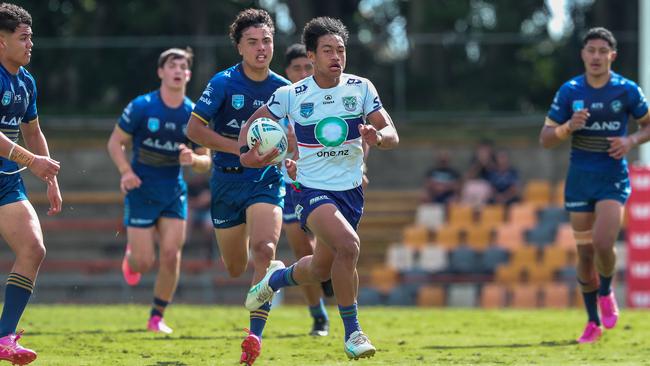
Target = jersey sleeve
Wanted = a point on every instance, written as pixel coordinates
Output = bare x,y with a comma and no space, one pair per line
131,117
278,103
371,101
31,113
560,110
638,104
211,99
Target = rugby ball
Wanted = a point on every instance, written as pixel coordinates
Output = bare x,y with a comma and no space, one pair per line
270,135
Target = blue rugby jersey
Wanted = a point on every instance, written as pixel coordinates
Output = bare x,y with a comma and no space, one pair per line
228,100
157,132
17,105
609,108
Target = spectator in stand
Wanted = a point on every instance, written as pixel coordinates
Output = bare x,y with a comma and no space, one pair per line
504,180
442,184
476,190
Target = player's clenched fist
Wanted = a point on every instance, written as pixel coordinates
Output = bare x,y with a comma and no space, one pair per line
185,156
44,167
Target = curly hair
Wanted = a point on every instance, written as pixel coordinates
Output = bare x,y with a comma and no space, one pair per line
11,16
249,18
321,26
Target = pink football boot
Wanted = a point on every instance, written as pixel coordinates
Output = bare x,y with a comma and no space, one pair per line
132,278
608,310
251,348
13,352
591,333
156,324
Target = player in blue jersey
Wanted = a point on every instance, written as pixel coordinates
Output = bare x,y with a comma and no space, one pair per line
19,226
333,114
155,205
246,203
297,67
593,110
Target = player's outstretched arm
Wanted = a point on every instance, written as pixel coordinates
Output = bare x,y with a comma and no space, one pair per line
553,133
251,158
117,143
199,159
380,132
41,165
200,133
620,146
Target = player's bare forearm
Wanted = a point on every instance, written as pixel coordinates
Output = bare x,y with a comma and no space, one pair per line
548,137
643,134
116,145
386,136
34,138
203,135
5,145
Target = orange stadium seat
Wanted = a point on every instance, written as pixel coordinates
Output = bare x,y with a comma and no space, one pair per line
524,257
493,296
537,192
555,257
431,296
540,274
492,215
524,296
523,214
415,236
383,279
555,295
510,236
508,274
478,237
448,237
461,215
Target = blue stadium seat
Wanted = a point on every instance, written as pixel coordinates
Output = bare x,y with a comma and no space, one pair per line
370,297
402,296
464,260
492,257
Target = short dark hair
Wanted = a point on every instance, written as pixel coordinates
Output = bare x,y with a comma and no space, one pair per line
294,51
11,16
250,18
322,26
174,54
600,33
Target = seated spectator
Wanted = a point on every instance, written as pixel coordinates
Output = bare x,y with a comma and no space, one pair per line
482,163
504,180
442,182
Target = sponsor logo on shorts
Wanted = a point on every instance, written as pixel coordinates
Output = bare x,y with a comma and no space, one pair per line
219,221
317,199
299,209
575,204
136,221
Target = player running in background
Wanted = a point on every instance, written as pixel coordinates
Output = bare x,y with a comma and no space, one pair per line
19,225
333,114
297,67
155,205
246,203
592,110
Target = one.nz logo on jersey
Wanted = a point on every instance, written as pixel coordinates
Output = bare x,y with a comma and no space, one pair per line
6,98
237,101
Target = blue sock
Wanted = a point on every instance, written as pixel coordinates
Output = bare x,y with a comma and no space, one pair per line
591,304
258,319
17,292
318,311
350,321
282,278
158,307
605,287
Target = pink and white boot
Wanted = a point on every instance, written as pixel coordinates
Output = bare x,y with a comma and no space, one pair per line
13,352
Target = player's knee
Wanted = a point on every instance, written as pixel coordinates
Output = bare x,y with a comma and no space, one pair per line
603,246
263,252
36,253
143,264
348,251
322,274
169,258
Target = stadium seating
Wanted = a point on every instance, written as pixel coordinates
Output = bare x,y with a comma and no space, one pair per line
555,295
415,236
431,295
493,295
400,257
537,192
430,215
448,237
383,279
492,257
510,236
461,215
523,214
492,215
432,258
524,296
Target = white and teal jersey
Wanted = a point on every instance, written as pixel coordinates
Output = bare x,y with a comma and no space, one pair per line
327,128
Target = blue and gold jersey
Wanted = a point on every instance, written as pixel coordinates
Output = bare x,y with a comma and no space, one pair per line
17,105
157,132
609,107
228,100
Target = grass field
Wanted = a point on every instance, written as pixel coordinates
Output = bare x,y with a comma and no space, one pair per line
114,335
